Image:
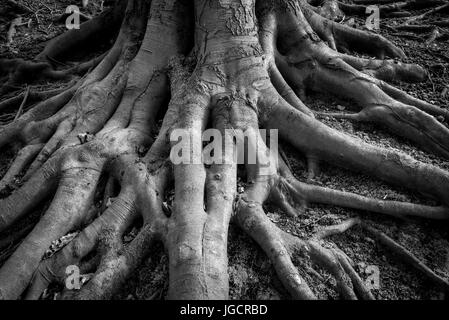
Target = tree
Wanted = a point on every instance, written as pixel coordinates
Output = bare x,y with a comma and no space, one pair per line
223,64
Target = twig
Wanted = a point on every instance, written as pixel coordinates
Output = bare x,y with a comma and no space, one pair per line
442,23
22,105
406,35
434,10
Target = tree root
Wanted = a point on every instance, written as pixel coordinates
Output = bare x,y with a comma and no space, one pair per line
407,257
331,8
345,38
19,70
61,124
76,165
425,14
281,247
96,140
89,32
322,69
289,190
34,96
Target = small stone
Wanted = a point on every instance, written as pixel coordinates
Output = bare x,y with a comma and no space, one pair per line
341,108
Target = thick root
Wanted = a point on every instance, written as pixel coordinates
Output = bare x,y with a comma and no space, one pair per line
89,32
346,39
307,63
95,141
19,70
289,191
77,161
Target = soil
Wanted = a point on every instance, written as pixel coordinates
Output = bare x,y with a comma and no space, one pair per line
251,274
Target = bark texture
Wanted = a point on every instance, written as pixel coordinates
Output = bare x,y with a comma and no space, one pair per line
222,64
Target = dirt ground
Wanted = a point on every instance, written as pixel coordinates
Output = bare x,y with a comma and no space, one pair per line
251,274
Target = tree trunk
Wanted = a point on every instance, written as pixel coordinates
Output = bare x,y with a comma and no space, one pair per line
98,150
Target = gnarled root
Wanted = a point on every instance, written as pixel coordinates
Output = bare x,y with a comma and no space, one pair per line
307,62
19,71
73,116
104,25
281,247
95,141
73,160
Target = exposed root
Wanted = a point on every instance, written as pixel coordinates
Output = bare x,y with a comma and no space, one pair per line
23,159
90,103
398,209
76,162
399,251
346,39
252,219
280,247
332,9
385,10
116,266
20,71
306,62
33,96
289,191
96,140
101,26
18,7
336,229
429,12
407,257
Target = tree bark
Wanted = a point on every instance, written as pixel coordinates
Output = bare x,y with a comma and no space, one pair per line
222,64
